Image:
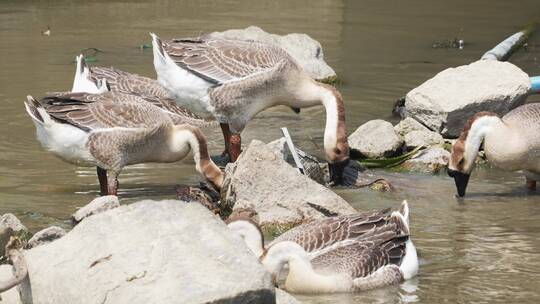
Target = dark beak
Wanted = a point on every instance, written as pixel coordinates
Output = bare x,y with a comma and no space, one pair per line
295,110
461,180
336,171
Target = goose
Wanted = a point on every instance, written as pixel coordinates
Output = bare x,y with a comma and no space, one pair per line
233,80
87,78
381,256
112,130
511,143
317,234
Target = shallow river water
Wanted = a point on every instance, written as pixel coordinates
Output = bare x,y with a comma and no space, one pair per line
483,249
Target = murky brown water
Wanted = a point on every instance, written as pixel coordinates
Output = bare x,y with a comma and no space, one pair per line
482,250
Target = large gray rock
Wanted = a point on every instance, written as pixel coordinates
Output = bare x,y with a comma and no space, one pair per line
147,252
376,138
278,192
45,236
98,205
424,138
431,160
305,50
445,102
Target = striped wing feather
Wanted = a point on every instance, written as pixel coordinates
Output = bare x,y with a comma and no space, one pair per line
318,234
362,257
220,60
102,111
149,90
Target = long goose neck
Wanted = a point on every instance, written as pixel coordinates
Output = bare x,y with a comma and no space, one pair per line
302,277
251,235
276,256
473,138
197,143
335,133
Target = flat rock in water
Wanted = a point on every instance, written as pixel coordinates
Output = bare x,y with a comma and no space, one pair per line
376,138
445,102
408,125
431,160
98,205
278,192
424,138
147,252
45,236
305,50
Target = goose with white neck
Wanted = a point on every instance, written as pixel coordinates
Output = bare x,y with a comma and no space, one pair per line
382,256
233,80
113,130
87,80
511,143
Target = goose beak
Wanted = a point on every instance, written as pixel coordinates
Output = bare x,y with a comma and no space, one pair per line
336,171
461,180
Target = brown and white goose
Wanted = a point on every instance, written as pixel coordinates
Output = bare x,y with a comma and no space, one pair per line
87,78
319,234
233,80
511,143
112,130
381,256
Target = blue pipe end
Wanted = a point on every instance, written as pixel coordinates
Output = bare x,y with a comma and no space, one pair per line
535,85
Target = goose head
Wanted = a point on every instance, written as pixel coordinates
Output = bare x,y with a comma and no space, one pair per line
466,147
283,253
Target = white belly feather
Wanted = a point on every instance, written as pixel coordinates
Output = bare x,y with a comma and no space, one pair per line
189,90
65,141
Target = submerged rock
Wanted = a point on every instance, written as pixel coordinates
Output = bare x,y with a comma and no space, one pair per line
305,50
98,205
445,102
376,138
147,252
278,192
45,236
431,160
424,138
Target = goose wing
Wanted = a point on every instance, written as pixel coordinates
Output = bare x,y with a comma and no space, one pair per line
318,234
125,82
221,60
149,90
361,258
526,119
101,111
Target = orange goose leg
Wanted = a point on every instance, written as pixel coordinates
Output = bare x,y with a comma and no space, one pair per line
235,147
226,138
102,178
531,184
112,184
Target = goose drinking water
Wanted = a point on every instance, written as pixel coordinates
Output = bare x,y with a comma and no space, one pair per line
113,130
511,143
233,80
